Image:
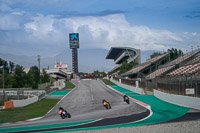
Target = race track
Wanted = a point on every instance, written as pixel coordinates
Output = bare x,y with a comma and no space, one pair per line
84,103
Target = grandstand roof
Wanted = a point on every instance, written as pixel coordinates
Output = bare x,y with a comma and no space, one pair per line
120,54
114,51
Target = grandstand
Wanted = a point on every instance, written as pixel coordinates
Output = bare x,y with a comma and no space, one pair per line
123,54
188,58
147,67
176,76
191,68
115,70
60,71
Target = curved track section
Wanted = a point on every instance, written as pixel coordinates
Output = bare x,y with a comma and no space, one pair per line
85,103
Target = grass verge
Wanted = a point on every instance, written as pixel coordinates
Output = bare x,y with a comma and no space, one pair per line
68,87
107,82
34,110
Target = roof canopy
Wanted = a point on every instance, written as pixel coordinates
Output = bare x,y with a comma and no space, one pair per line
114,51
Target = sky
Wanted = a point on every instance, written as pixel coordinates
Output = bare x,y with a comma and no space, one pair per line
42,27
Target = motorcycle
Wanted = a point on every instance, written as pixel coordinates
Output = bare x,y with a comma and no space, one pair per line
126,99
65,114
106,104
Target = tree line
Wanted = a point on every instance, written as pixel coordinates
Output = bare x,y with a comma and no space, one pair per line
16,77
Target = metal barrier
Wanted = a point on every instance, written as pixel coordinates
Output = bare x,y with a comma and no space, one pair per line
189,86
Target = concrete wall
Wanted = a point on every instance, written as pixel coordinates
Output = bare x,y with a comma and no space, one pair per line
60,84
22,92
131,88
22,103
186,101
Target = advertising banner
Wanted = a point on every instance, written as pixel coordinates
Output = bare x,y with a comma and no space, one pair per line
74,40
189,91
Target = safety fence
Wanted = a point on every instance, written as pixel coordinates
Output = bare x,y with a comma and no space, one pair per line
188,86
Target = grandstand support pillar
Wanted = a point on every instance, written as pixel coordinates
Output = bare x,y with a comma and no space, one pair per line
146,86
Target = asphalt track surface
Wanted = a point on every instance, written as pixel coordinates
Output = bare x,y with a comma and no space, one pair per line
85,103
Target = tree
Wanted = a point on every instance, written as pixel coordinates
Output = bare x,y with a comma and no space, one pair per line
96,72
155,54
19,77
45,76
126,67
34,75
174,53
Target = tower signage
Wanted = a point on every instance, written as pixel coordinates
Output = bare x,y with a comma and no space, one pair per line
74,40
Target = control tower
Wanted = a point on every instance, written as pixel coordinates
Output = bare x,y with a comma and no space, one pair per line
74,45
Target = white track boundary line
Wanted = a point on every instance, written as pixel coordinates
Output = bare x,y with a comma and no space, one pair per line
136,101
77,125
60,101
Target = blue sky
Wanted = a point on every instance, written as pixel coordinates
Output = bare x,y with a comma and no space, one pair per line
32,27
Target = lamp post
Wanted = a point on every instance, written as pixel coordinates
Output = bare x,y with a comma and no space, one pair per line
38,61
192,48
3,75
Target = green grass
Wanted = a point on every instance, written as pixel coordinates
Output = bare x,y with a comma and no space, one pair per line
69,86
34,110
107,82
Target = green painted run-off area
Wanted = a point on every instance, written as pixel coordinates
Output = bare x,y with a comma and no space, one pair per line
59,93
162,111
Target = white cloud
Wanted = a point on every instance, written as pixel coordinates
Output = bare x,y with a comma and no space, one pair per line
104,32
9,22
50,33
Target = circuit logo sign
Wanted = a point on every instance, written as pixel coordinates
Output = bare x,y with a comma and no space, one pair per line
74,36
74,40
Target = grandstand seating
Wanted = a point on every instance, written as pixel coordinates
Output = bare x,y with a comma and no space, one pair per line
144,65
195,60
187,70
172,64
159,72
183,58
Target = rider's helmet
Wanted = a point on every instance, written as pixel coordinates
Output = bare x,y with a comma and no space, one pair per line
60,108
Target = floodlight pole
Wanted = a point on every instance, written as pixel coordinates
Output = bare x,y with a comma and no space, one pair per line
39,61
3,76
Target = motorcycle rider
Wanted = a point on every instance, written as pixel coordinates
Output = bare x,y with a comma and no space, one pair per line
104,102
62,111
126,98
